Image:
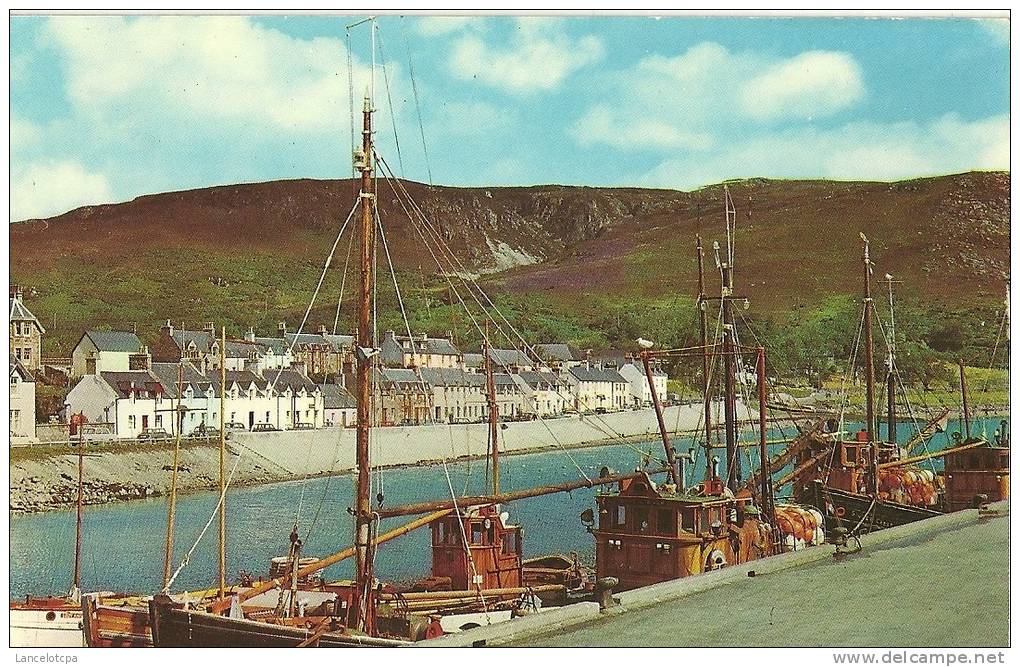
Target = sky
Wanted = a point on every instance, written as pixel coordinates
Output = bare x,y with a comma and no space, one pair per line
107,108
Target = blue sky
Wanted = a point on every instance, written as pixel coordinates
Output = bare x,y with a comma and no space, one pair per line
107,108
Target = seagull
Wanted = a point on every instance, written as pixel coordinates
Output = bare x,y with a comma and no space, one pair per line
645,344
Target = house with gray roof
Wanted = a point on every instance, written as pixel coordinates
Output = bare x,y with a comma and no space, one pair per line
339,405
26,333
596,388
419,351
544,393
559,355
98,351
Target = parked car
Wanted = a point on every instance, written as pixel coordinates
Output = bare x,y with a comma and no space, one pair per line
263,428
303,426
234,426
153,435
600,410
206,432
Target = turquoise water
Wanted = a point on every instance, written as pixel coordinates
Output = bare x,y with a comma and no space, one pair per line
123,544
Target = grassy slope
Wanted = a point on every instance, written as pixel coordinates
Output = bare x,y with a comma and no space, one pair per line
152,259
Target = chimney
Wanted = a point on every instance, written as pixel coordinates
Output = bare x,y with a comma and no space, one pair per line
249,335
16,293
210,329
168,329
281,328
141,360
323,330
390,335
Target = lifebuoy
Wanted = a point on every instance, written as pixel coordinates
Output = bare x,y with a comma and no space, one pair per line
840,512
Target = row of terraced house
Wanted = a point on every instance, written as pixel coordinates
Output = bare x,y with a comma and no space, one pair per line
125,388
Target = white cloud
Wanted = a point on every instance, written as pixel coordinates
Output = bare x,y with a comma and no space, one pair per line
854,151
692,99
434,26
812,84
45,189
599,124
223,67
539,56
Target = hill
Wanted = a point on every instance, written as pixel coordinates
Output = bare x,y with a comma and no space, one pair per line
250,254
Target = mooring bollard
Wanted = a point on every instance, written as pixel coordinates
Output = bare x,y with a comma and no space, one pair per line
604,592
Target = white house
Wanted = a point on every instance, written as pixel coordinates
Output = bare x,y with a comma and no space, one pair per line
22,402
340,407
598,388
99,351
640,392
545,393
560,355
129,402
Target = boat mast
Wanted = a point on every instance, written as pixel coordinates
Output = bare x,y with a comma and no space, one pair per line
490,389
733,473
869,369
767,499
363,510
966,406
891,370
666,444
76,583
171,505
223,465
706,377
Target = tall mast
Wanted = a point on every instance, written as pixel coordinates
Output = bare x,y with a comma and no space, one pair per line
663,432
966,406
733,475
223,466
171,505
869,369
767,500
891,370
490,387
363,510
706,372
76,583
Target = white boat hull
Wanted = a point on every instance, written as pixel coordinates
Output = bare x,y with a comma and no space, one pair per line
46,628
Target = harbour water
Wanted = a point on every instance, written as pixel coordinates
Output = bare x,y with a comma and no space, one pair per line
123,544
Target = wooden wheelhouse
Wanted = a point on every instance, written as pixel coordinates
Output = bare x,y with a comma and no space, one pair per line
649,533
981,471
491,559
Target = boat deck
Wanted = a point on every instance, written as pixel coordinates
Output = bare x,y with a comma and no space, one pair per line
950,589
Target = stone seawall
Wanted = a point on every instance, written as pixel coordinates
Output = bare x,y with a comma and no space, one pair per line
320,451
45,477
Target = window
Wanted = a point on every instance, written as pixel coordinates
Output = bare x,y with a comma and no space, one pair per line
641,518
476,532
621,515
665,520
15,417
131,422
14,380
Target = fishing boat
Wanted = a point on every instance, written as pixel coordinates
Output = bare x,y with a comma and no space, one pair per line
649,532
864,483
55,621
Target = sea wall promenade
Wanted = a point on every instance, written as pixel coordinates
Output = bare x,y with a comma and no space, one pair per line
44,478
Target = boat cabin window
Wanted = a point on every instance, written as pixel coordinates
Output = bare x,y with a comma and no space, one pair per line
476,532
490,533
688,520
621,515
666,521
851,455
448,532
512,541
641,519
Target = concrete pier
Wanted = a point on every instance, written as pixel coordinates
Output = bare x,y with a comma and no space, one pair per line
942,582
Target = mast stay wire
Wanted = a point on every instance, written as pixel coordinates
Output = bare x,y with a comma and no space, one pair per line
343,282
471,315
468,285
448,253
417,103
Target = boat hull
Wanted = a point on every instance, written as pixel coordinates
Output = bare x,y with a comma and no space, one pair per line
173,627
59,627
843,508
115,627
